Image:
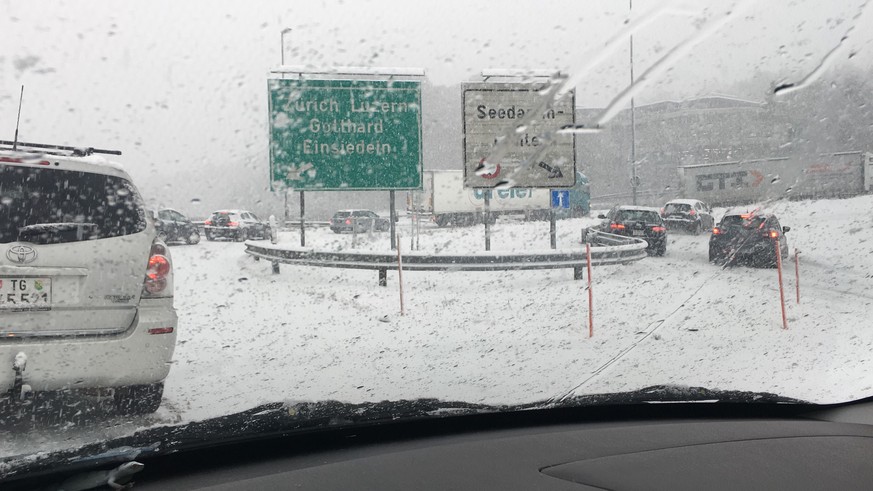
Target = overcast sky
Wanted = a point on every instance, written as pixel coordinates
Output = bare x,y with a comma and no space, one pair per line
180,86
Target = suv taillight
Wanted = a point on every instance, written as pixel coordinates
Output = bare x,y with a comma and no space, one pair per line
159,273
716,231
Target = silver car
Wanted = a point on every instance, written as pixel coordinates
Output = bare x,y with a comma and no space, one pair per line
86,287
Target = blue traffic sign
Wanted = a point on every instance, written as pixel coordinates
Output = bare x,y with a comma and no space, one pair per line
560,198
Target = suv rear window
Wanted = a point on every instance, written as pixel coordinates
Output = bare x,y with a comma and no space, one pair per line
50,206
676,208
223,215
736,220
637,216
341,214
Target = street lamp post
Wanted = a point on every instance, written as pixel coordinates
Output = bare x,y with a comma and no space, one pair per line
635,181
302,202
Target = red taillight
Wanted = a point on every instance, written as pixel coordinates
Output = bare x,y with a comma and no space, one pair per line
659,229
161,330
716,231
159,266
158,272
207,222
232,224
616,226
348,221
774,234
692,212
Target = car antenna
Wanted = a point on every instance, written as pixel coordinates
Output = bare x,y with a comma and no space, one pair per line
18,119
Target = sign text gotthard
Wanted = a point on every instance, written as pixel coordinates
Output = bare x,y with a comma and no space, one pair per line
324,126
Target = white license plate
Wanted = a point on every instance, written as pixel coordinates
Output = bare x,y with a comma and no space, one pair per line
25,293
639,232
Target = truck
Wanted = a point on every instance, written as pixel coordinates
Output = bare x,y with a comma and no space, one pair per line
449,203
830,175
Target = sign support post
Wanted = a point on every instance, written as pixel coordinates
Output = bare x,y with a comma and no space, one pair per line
400,276
392,216
488,221
553,239
302,223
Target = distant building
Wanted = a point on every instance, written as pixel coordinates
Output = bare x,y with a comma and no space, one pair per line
670,134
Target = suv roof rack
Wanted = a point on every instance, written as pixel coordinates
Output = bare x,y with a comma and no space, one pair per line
58,149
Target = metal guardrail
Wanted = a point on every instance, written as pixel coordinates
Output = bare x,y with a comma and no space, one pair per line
606,249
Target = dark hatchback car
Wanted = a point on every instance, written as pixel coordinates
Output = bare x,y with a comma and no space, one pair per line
173,226
237,225
689,215
748,238
358,221
641,222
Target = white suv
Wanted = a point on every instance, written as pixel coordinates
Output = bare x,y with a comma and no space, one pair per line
86,288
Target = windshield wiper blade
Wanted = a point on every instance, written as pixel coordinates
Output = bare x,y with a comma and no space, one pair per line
254,424
676,394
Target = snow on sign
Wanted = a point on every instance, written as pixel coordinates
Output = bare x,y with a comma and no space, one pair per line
500,125
345,134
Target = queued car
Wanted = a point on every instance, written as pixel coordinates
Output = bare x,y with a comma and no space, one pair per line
358,221
748,238
86,284
173,226
236,225
642,222
688,215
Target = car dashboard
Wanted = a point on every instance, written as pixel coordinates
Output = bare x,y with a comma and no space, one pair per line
645,446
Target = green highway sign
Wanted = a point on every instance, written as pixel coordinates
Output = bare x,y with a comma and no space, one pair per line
345,134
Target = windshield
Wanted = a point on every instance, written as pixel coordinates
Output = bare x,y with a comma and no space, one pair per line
487,139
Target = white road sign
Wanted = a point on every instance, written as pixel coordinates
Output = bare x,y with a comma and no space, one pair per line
504,130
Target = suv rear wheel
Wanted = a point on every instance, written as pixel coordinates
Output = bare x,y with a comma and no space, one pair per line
138,399
193,238
242,234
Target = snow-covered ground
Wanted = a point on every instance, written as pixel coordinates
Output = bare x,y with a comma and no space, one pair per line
247,336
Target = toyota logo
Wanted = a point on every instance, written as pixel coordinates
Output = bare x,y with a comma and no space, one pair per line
21,254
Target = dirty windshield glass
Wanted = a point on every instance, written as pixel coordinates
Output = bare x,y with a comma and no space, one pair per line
483,140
